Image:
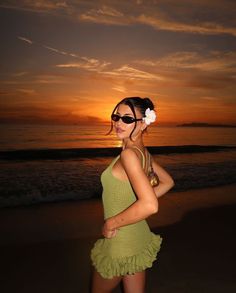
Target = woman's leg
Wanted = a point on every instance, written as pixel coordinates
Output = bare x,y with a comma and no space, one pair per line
134,283
101,285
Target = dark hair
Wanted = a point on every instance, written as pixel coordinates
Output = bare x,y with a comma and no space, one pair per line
134,102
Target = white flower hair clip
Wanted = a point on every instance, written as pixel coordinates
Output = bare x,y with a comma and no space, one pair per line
150,116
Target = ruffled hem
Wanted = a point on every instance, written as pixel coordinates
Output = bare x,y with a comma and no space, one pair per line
109,267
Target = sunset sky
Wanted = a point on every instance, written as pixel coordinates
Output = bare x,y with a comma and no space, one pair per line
66,62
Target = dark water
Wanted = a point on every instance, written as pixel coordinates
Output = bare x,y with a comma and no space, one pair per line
36,176
48,163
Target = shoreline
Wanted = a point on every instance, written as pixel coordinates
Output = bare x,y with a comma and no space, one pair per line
69,219
37,180
71,153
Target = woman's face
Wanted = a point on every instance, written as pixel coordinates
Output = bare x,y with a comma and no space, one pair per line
122,129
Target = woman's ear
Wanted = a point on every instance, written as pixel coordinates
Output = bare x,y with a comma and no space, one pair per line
144,126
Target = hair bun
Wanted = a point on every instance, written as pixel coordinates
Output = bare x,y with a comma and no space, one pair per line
148,103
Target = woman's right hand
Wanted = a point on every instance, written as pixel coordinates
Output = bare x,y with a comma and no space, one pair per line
108,233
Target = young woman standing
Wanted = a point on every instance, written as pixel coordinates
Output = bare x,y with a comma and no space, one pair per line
129,197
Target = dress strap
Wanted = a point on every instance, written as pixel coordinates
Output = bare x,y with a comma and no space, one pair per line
143,156
149,160
114,160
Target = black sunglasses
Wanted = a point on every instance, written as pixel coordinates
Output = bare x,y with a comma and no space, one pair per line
125,119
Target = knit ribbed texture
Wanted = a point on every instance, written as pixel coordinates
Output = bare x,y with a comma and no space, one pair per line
135,247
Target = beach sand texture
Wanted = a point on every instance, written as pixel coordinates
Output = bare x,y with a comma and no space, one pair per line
45,248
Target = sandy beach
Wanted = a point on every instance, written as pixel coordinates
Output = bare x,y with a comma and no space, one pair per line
45,247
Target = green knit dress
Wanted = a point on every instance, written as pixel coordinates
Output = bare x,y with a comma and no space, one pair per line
134,248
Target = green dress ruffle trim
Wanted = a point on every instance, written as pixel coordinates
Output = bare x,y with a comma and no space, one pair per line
109,267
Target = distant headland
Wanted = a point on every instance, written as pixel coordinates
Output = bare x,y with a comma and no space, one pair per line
202,124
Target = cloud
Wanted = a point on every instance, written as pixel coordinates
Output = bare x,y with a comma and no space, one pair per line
56,50
161,15
119,88
106,11
209,28
19,74
208,71
35,6
165,16
210,98
49,79
127,71
104,15
27,91
213,61
218,62
88,64
25,40
48,5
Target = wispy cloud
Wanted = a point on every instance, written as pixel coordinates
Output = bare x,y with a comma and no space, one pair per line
159,22
119,88
104,15
49,79
210,98
88,64
27,91
126,71
56,50
19,74
214,61
34,6
154,16
161,15
48,5
25,40
84,62
209,28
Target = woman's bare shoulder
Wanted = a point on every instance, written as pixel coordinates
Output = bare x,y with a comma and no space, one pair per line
130,155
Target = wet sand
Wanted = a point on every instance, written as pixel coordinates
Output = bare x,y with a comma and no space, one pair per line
45,248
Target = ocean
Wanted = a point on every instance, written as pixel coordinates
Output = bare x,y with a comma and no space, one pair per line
41,163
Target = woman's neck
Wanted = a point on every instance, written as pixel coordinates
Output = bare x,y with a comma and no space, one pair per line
127,143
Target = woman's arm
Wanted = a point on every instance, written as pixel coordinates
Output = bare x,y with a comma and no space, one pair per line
146,203
166,181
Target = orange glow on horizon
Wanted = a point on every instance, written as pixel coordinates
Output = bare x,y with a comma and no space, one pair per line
105,53
98,110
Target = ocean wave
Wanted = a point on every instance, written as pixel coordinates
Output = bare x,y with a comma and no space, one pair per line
34,181
70,153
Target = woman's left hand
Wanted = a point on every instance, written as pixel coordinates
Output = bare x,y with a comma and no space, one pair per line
108,233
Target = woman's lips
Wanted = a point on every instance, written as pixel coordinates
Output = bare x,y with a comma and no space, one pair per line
119,130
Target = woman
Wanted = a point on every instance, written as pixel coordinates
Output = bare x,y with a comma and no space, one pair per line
128,246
